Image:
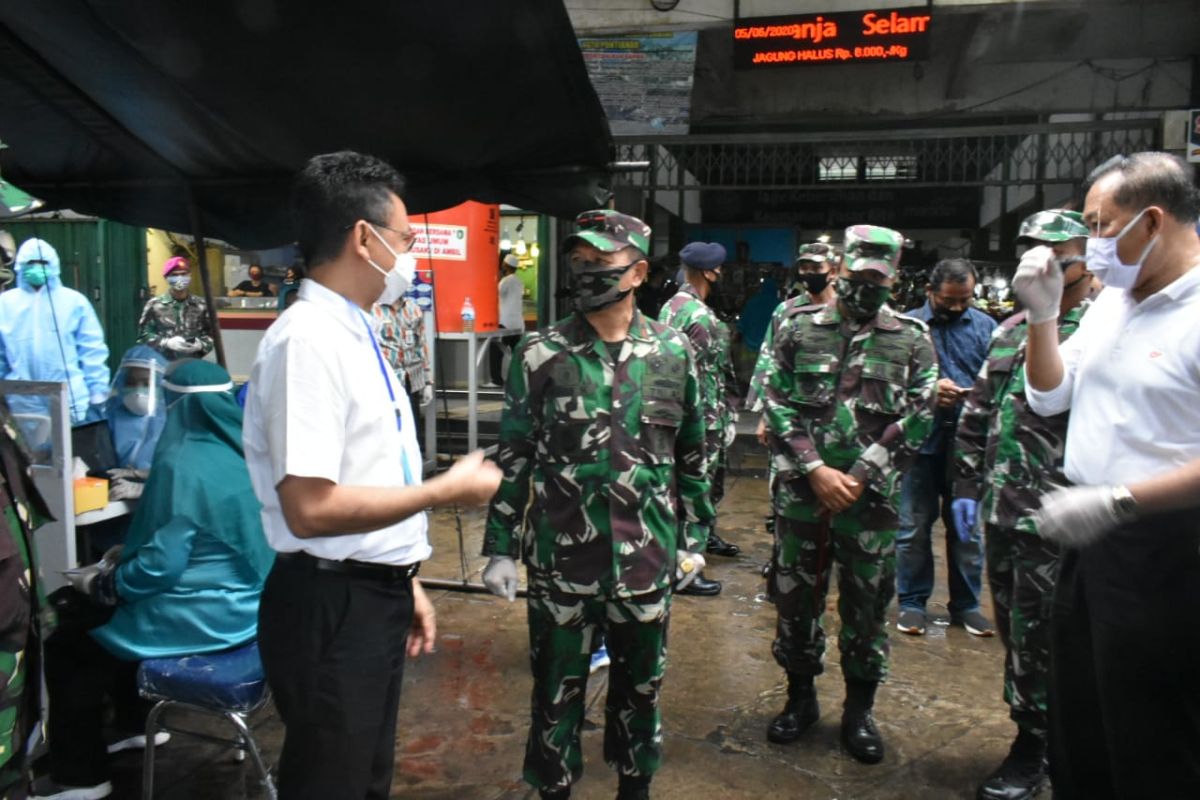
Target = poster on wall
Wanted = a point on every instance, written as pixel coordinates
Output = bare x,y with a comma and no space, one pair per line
644,81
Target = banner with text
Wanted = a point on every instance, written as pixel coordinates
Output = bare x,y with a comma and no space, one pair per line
849,37
448,242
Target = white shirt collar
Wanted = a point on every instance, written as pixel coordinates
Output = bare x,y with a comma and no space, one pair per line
337,306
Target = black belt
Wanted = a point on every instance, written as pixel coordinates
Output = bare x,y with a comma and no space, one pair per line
359,569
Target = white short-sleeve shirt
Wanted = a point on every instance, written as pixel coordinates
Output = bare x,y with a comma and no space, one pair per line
1131,378
319,407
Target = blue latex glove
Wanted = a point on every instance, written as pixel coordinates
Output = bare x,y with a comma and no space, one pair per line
964,511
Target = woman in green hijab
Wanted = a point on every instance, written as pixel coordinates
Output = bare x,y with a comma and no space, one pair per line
187,581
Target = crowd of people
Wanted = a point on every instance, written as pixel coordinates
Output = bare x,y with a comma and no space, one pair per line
1060,448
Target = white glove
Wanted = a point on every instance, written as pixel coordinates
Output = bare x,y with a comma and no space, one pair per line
129,474
1038,283
1077,515
500,577
427,394
194,346
113,554
123,489
730,435
176,343
687,567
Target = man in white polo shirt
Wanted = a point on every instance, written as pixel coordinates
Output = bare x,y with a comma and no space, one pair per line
1125,663
332,451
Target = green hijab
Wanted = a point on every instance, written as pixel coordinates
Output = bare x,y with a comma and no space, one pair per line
199,469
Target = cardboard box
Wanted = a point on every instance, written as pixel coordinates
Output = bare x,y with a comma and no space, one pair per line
90,494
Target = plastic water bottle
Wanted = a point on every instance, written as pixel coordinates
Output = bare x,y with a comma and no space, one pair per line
468,316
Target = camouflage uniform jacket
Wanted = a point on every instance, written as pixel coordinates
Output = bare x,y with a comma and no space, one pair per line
709,336
402,339
1005,455
859,401
604,463
754,401
26,614
164,317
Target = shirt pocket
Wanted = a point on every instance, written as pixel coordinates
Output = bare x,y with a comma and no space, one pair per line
815,378
883,386
660,420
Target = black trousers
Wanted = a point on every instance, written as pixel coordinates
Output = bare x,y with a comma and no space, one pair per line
496,357
80,676
332,648
1125,665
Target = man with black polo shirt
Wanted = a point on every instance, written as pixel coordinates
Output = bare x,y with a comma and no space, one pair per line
332,451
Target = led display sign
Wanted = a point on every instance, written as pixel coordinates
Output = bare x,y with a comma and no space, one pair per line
851,37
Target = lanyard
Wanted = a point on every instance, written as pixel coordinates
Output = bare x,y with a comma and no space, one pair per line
383,370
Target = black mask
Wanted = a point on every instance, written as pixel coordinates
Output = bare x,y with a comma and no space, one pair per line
813,282
860,300
946,316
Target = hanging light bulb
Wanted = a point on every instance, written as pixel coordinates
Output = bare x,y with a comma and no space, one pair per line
505,241
520,248
534,250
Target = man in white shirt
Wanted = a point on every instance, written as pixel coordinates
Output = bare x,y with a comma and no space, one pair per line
1125,666
512,315
332,452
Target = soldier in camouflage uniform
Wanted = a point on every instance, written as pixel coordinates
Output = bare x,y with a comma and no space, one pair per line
849,399
177,324
26,615
688,313
605,499
1006,457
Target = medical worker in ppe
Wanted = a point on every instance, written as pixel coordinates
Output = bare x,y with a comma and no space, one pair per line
51,333
187,581
136,414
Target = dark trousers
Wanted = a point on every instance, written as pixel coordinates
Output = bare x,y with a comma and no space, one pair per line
332,648
80,676
496,356
1125,665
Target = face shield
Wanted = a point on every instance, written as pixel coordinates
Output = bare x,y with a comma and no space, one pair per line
137,383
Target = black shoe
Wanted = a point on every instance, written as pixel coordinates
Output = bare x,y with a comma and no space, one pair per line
860,737
702,587
801,711
555,794
633,787
719,547
1021,775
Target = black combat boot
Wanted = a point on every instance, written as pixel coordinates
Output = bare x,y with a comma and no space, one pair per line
555,794
633,787
702,587
1021,774
860,737
719,547
801,711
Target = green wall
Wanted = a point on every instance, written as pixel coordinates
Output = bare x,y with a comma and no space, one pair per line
106,261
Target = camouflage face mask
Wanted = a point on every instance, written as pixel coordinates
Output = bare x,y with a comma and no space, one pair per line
595,285
861,300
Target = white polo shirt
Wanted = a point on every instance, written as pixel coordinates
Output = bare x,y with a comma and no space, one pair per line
1132,382
318,407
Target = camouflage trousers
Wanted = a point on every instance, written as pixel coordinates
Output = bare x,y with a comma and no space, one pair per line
1022,569
714,445
562,629
861,541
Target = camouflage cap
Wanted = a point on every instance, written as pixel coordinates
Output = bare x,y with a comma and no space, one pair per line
817,252
609,231
1055,225
873,247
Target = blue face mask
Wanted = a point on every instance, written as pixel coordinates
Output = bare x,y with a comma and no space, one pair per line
35,276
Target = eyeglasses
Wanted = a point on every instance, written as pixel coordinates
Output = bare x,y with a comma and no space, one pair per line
407,238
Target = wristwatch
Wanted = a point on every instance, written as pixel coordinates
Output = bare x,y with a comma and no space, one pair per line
1124,503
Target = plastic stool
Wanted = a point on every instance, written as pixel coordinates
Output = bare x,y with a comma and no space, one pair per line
229,685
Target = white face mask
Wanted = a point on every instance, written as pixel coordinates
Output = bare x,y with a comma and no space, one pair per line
1105,264
139,401
396,281
179,282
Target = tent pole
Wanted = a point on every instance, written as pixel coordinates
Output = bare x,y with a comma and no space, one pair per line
198,237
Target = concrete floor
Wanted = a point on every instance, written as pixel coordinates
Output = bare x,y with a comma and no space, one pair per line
464,711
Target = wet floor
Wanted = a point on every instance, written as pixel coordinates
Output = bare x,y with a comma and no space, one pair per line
464,711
